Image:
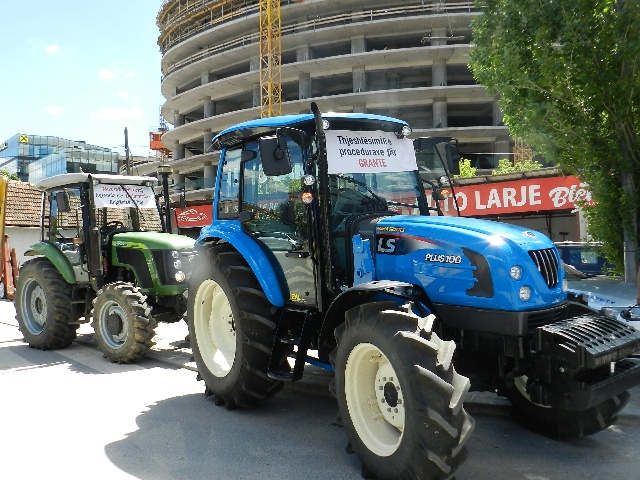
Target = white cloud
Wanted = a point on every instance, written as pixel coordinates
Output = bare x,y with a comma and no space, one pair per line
105,74
112,114
52,49
54,109
123,93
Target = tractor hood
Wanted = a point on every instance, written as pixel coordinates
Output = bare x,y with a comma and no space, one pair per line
153,240
470,262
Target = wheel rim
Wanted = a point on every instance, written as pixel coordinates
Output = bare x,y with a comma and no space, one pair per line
113,324
34,307
521,385
215,328
375,399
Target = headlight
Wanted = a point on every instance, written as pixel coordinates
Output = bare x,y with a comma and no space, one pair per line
177,264
175,254
524,293
516,272
180,276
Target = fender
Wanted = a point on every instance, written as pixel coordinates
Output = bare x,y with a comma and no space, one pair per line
356,295
231,232
56,257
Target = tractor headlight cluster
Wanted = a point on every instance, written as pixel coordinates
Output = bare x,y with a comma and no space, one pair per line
181,263
516,272
524,293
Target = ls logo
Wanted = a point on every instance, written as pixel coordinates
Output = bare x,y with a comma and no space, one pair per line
386,245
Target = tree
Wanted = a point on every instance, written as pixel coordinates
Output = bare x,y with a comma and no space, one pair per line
567,75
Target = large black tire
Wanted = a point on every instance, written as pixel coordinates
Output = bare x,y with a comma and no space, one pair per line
400,398
43,306
124,328
231,329
563,424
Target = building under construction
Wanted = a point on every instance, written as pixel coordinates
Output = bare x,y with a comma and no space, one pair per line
223,62
228,61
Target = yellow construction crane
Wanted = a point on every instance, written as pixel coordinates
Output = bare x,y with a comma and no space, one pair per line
270,59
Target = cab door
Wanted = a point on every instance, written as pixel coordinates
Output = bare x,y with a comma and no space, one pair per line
276,217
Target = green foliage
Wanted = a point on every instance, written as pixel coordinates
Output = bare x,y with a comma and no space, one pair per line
567,76
10,176
506,166
466,170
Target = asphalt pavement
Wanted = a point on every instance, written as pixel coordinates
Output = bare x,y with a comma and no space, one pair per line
172,348
72,414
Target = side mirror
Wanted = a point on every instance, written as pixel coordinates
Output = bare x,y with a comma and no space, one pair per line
62,199
453,158
275,155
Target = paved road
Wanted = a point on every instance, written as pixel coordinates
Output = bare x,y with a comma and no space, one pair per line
73,415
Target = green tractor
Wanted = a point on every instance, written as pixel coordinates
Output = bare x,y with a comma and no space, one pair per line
104,255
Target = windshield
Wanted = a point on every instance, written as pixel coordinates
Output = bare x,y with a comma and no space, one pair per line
395,192
115,210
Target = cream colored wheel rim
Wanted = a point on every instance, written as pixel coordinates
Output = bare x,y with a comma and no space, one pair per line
215,328
375,399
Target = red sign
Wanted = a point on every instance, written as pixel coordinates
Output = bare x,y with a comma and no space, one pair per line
195,216
520,196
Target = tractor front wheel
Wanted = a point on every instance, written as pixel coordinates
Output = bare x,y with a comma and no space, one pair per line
124,328
399,396
231,329
563,424
43,306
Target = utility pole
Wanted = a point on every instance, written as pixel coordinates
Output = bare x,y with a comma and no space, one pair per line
126,151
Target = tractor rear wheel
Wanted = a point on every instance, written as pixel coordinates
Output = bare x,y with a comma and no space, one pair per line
43,306
563,424
400,398
231,329
124,328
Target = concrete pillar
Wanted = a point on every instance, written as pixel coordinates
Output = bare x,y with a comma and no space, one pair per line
206,140
254,64
209,174
256,95
304,86
178,119
358,44
303,53
439,73
497,115
178,151
439,113
393,81
209,107
177,179
438,37
207,77
359,79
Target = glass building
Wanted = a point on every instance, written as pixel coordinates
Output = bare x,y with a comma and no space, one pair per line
34,157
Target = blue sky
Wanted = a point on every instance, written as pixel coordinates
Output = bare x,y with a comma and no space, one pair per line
81,70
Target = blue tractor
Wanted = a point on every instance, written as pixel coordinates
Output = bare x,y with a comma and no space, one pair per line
331,244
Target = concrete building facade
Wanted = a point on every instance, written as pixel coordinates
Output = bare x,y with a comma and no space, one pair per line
403,59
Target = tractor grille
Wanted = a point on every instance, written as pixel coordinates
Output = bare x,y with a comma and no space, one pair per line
547,262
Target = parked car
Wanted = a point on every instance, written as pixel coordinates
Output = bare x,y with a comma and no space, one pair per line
612,295
584,256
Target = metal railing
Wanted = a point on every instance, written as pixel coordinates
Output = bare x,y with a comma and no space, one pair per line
316,23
